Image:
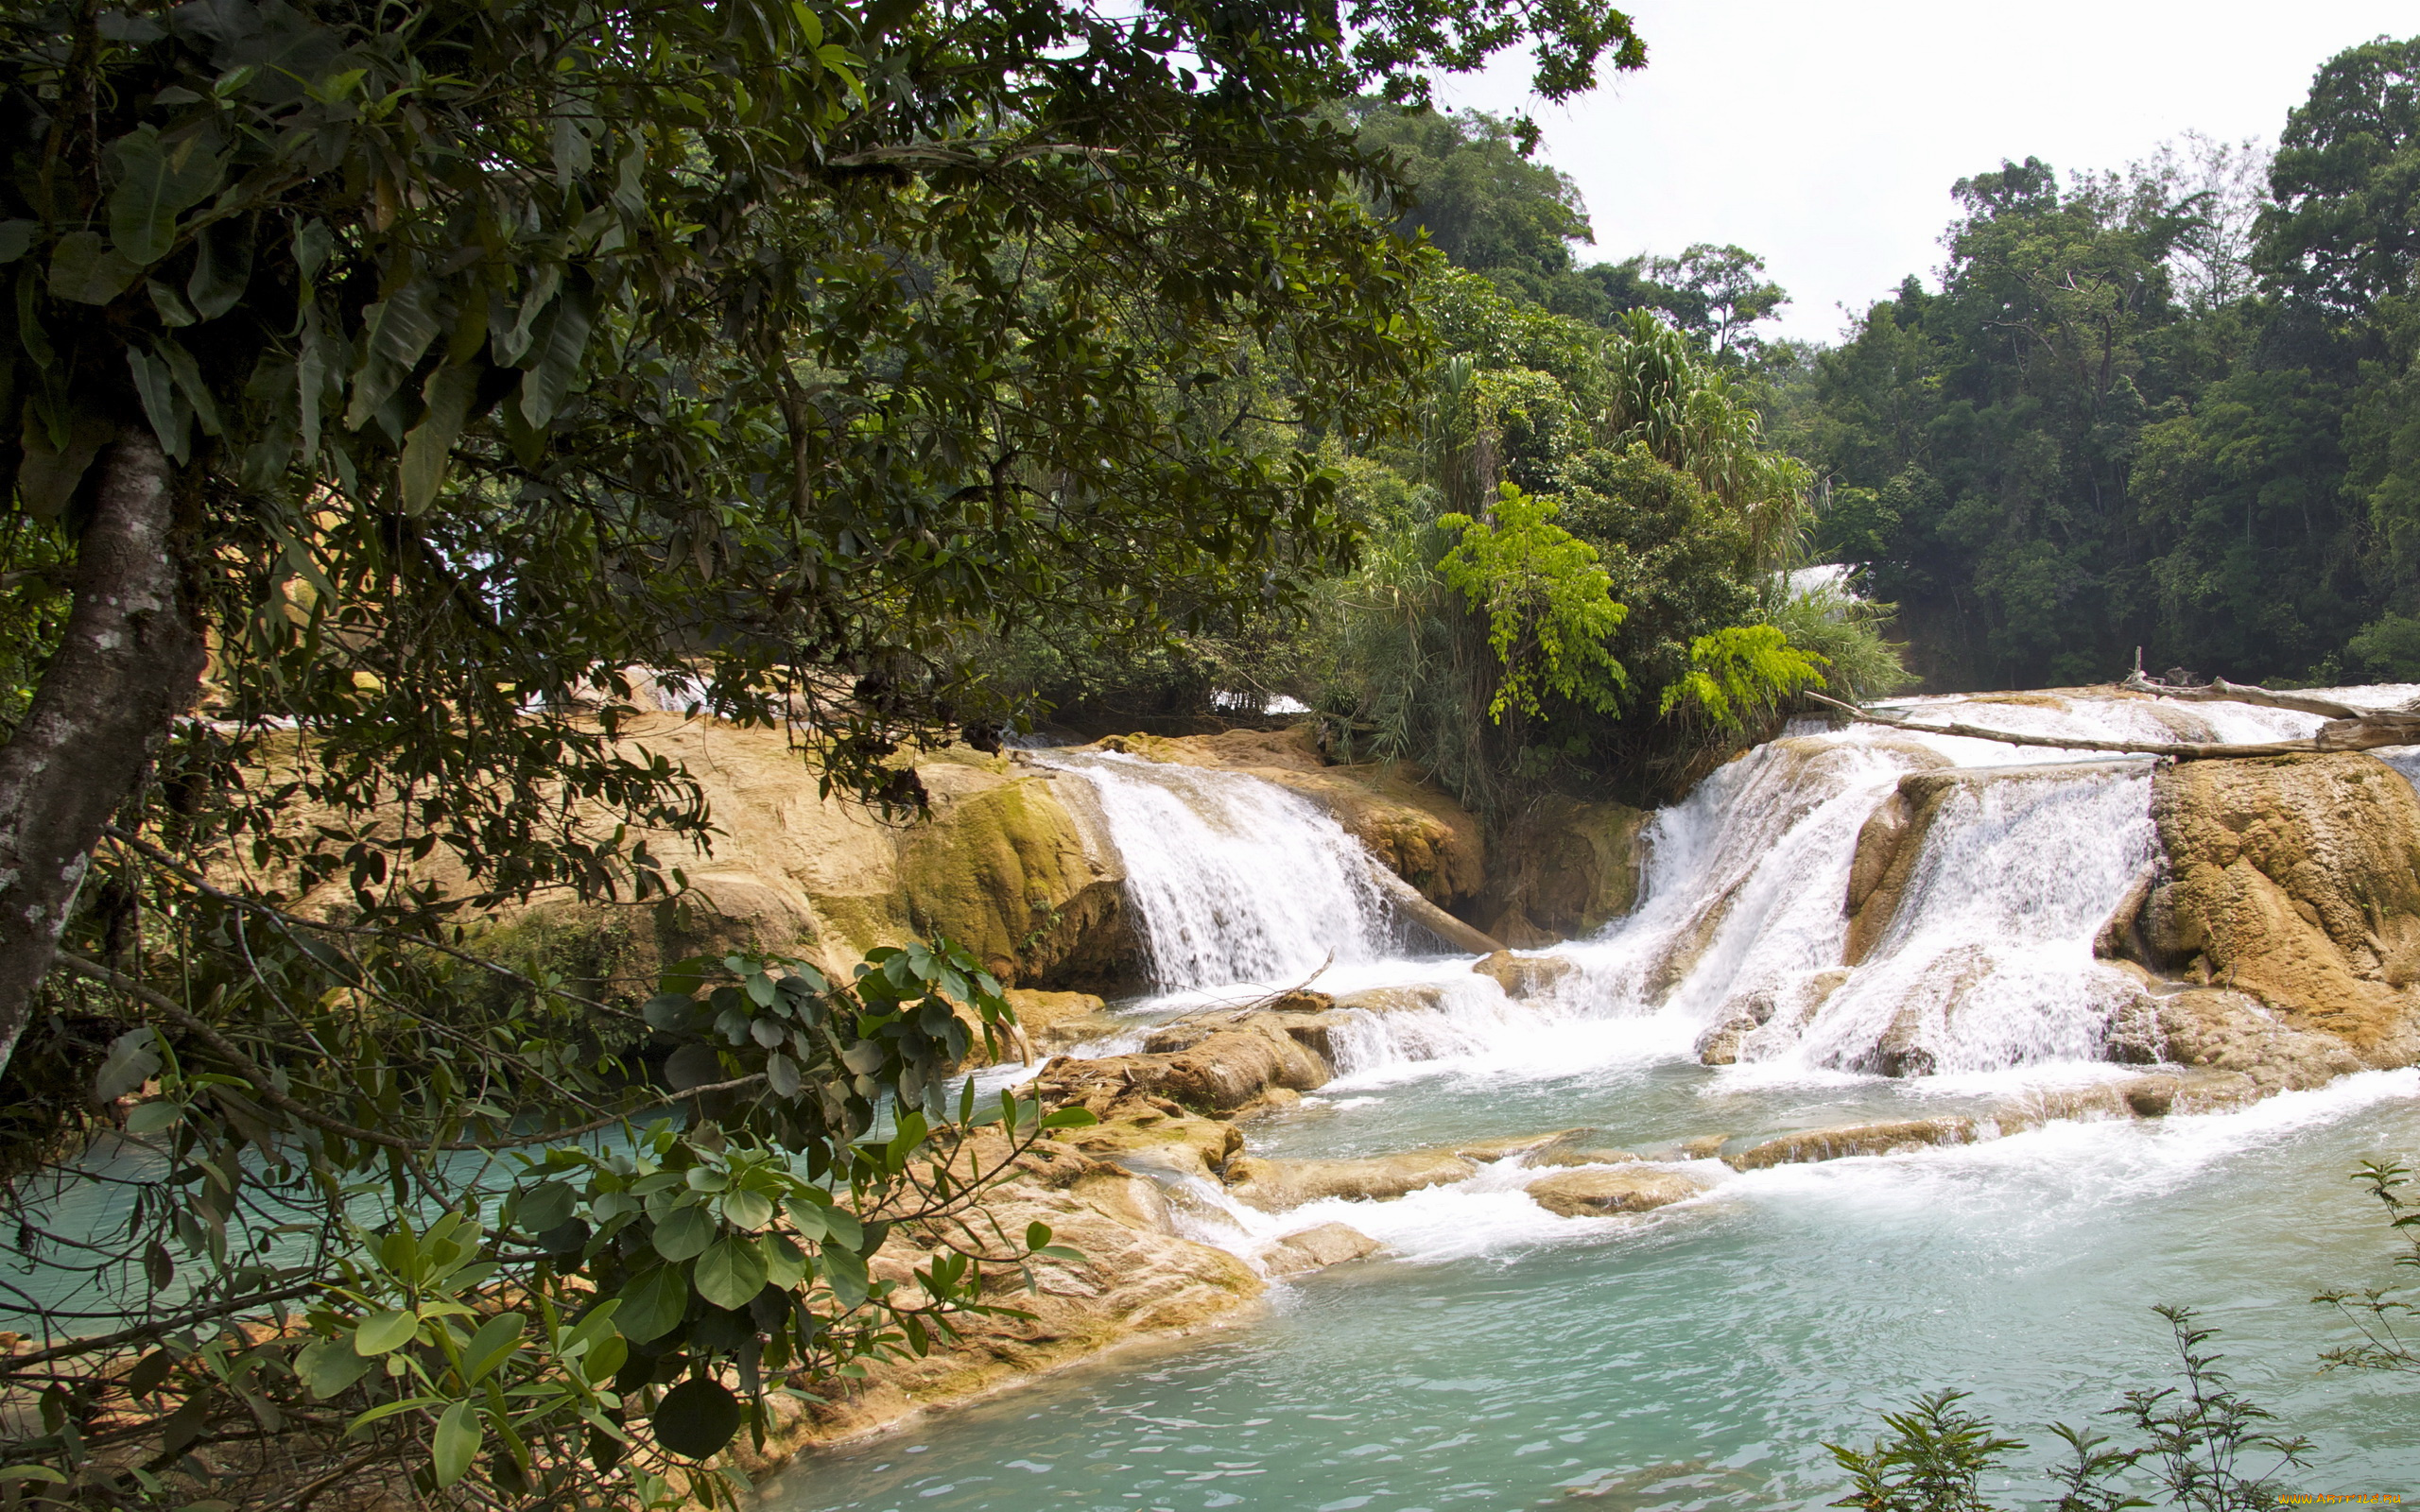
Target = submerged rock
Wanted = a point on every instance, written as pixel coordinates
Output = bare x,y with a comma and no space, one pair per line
1274,1186
1597,1193
1523,977
1839,1142
1330,1243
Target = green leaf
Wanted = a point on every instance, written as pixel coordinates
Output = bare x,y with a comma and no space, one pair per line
844,1270
161,405
731,1273
132,1059
395,332
157,182
84,271
492,1346
15,237
558,352
693,1065
786,1264
697,1417
151,1117
47,475
748,1209
544,1207
654,1304
457,1442
684,1234
383,1332
430,445
782,1074
329,1366
189,383
222,267
1068,1118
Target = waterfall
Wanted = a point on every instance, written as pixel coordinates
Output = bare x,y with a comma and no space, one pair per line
1741,936
1232,879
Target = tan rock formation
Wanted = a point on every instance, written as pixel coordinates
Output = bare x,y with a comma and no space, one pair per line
1138,1280
1214,1071
2295,881
1524,976
1885,1138
1315,1249
1598,1194
1566,869
1274,1186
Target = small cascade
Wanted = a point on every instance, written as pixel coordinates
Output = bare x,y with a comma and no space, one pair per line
1987,962
1232,879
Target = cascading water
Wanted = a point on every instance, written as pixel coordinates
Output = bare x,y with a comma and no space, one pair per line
1700,1355
1232,879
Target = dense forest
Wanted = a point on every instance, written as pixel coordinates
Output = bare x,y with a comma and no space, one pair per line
2172,407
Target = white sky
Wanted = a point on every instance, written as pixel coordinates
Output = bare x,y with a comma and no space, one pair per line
1826,138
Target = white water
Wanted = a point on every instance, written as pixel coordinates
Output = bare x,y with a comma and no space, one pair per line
1232,879
1717,1343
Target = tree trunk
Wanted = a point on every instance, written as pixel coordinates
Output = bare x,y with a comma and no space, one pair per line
130,661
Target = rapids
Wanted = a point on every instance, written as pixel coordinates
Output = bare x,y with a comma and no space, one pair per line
1497,1355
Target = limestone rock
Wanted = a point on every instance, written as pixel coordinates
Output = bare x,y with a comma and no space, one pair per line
2231,1031
1567,868
1330,1243
1524,976
1216,1070
1274,1186
1053,1020
1855,1139
2295,880
1578,1147
1596,1194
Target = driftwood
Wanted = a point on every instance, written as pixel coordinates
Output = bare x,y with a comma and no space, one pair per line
2364,731
2222,690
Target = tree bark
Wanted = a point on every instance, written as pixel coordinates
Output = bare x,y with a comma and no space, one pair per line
130,662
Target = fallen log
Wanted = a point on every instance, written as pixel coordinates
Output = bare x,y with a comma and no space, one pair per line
1433,919
2222,690
2180,751
2366,731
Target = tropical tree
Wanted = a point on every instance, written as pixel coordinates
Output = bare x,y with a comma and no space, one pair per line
398,392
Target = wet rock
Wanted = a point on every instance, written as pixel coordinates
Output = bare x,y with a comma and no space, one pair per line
1418,997
1274,1186
1703,1147
2295,880
2220,1030
1855,1139
1134,1200
1330,1243
1054,1021
1566,869
1524,976
1152,1135
1275,1100
1578,1147
1596,1194
1209,1069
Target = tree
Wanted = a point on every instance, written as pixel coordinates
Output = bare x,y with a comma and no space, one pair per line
406,386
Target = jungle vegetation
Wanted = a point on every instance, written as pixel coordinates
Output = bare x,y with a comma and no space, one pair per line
2174,407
